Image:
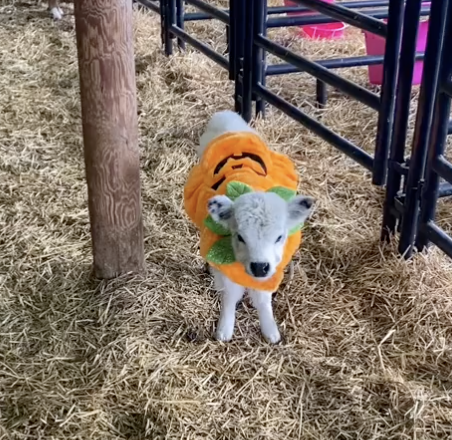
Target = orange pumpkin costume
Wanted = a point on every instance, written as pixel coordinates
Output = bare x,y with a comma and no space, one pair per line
245,158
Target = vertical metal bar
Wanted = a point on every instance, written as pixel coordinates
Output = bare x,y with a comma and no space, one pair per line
172,14
232,39
260,26
248,59
388,92
402,111
168,8
162,23
180,21
424,117
321,93
238,96
438,136
239,26
228,39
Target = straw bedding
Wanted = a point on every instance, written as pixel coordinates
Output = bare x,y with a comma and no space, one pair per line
367,337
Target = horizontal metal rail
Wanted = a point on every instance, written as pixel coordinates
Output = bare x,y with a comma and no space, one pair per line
437,236
335,63
212,11
398,209
445,189
274,10
351,150
349,16
203,48
359,93
152,5
323,19
443,168
197,16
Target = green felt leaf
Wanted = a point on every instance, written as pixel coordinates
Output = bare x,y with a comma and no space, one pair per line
215,227
221,252
296,229
237,189
283,192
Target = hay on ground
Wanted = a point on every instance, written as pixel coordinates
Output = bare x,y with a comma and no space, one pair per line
367,336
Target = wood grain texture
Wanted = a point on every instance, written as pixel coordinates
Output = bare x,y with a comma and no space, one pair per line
110,134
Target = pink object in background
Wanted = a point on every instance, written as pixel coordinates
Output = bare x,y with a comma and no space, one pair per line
327,31
375,45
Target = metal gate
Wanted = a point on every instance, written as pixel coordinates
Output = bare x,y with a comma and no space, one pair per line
414,184
412,206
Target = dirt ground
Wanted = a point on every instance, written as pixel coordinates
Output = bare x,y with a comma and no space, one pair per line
367,348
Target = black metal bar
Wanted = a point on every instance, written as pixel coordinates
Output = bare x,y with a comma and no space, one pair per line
203,48
323,19
445,189
321,93
297,21
198,16
274,10
260,56
388,96
228,39
359,93
180,21
436,235
336,63
214,12
401,113
352,17
352,5
168,13
162,24
423,126
152,5
248,59
232,39
443,168
351,150
240,25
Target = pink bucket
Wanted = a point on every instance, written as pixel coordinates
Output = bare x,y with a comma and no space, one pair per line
327,31
375,45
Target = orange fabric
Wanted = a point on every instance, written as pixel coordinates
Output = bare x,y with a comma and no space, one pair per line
198,191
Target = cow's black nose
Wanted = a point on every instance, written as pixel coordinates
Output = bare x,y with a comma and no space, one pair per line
259,270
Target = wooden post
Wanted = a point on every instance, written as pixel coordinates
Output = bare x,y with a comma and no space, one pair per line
110,134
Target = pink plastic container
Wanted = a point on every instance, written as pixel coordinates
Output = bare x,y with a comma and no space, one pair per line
327,31
375,45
